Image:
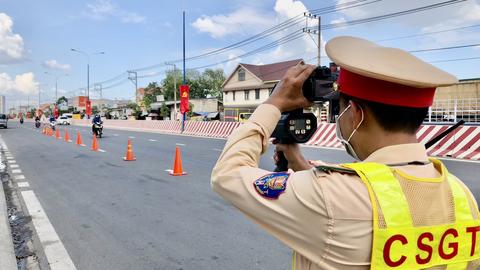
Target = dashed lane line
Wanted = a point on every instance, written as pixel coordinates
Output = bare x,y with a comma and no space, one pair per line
152,140
23,184
19,177
17,171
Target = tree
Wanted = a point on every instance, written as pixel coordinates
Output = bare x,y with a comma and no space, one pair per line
61,100
201,85
164,111
95,110
151,92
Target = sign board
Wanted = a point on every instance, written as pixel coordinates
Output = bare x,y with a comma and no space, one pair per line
184,97
160,98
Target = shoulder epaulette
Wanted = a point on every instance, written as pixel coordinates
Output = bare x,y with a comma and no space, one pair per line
329,169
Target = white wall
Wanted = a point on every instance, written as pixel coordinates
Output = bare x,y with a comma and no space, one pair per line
240,98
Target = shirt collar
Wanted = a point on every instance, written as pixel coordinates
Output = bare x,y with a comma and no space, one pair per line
399,153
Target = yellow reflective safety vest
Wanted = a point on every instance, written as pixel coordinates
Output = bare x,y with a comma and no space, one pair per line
397,243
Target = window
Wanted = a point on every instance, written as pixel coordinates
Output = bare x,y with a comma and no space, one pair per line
225,96
247,94
233,93
241,74
257,93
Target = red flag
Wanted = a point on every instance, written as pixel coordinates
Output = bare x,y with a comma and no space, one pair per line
55,112
88,107
184,96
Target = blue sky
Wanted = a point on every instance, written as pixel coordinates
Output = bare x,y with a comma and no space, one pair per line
36,37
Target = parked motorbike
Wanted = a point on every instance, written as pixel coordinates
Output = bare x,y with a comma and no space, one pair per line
97,129
37,123
21,121
52,125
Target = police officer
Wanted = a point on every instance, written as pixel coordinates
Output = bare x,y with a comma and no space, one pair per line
395,208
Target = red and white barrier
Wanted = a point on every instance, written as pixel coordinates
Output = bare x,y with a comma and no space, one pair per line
463,143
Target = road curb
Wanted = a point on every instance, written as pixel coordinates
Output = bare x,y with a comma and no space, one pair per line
7,254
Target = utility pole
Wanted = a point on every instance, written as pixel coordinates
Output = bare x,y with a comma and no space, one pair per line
98,88
184,70
318,32
174,90
132,76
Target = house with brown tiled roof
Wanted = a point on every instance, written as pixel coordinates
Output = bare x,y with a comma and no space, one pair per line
249,86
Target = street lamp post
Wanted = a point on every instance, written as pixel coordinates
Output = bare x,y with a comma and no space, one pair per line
174,90
56,82
87,55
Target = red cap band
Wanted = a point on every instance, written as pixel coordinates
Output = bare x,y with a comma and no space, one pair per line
384,92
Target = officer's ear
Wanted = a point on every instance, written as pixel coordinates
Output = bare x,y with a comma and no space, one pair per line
357,114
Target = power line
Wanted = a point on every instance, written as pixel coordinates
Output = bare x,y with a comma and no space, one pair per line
429,33
446,48
270,31
390,15
455,60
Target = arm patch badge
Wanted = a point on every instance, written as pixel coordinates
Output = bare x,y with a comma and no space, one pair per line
270,186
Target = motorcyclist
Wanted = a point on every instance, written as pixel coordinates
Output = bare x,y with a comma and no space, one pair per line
52,121
97,120
21,119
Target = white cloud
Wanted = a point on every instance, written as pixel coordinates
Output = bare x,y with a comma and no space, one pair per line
244,20
54,64
104,9
241,21
22,84
11,45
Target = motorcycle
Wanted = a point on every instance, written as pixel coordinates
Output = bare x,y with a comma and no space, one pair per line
52,125
97,129
37,123
21,121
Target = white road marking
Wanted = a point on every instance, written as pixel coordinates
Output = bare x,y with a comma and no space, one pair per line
131,137
101,150
216,149
14,166
12,161
180,144
19,177
17,171
152,140
23,184
57,255
115,135
10,157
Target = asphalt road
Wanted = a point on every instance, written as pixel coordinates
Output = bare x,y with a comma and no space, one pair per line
112,214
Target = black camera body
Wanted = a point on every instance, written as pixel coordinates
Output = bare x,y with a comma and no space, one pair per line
297,126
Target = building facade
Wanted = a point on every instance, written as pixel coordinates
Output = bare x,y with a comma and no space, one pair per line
249,86
2,104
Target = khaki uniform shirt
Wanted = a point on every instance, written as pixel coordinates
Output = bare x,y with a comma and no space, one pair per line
326,218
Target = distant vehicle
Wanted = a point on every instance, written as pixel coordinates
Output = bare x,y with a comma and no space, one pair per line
243,117
3,120
69,115
63,120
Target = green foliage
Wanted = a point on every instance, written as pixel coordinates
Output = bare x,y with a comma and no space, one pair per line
190,112
32,113
201,85
151,92
164,111
61,100
95,110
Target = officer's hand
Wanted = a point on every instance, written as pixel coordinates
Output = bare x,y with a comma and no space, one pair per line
292,153
287,95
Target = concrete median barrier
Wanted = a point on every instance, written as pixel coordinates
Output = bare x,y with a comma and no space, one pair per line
463,143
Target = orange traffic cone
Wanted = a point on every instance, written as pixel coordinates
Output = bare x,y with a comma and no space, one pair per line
177,164
67,137
79,138
129,156
57,133
95,143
